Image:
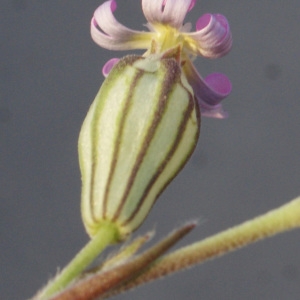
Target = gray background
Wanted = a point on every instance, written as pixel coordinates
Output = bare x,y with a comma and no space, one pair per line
50,71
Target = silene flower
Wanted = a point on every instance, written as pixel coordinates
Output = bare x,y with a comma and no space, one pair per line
145,121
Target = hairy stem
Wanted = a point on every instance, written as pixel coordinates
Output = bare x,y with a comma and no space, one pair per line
107,235
99,284
276,221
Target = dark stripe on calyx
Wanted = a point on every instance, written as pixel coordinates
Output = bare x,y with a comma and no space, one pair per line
171,77
107,86
119,134
162,166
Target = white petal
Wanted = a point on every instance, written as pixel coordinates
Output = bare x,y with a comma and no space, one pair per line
152,9
172,13
110,34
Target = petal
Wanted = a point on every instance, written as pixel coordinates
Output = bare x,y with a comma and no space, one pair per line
170,12
209,91
213,36
215,112
220,84
107,32
109,65
192,4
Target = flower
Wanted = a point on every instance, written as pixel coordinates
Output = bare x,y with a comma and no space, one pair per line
211,39
138,134
144,123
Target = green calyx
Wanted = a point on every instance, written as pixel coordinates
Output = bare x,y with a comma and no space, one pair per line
138,134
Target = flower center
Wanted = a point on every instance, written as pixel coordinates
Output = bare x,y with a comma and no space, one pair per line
167,37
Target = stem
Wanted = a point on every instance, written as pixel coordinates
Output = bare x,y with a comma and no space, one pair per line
107,235
284,218
101,283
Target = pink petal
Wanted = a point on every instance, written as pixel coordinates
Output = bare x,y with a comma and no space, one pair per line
220,84
109,65
213,35
193,2
209,91
171,12
107,32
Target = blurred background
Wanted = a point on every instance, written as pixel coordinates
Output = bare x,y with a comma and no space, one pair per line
50,71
